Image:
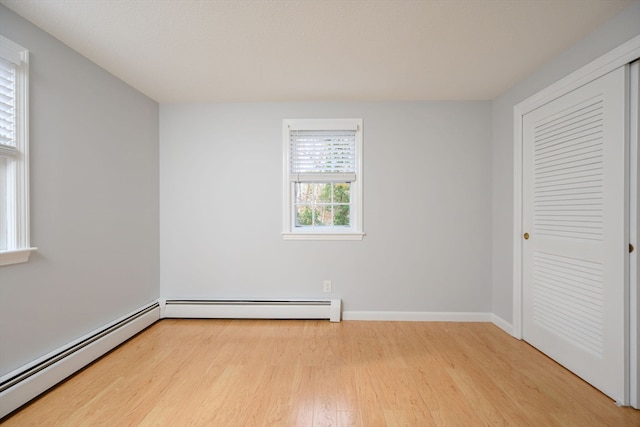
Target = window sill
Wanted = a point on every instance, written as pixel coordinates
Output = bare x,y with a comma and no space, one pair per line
322,236
15,256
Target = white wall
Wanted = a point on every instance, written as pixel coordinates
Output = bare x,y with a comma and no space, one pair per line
615,32
94,202
427,209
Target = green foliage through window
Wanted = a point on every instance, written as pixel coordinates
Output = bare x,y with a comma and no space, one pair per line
323,204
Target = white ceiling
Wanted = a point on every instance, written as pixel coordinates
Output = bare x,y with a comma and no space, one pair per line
177,51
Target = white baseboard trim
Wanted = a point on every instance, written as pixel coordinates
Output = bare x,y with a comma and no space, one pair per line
252,309
502,324
23,384
416,316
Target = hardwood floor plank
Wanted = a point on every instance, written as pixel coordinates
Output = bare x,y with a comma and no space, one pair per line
302,397
315,373
347,397
370,398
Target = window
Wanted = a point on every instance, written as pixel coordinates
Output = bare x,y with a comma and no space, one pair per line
323,179
14,154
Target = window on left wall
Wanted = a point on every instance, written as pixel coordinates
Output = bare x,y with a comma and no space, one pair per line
15,246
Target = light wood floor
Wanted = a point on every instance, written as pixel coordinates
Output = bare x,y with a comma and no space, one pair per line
316,373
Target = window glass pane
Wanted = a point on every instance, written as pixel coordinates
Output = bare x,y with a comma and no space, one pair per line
320,204
304,193
324,216
341,215
342,192
322,193
304,216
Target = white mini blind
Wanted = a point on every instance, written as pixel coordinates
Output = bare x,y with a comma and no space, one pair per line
322,155
7,105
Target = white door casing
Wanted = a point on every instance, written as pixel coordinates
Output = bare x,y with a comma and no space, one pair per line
634,234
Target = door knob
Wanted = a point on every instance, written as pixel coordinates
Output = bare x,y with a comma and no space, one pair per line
630,248
526,236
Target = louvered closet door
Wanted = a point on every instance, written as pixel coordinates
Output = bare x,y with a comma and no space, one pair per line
574,208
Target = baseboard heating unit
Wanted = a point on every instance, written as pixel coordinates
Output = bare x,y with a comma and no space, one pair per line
22,385
252,309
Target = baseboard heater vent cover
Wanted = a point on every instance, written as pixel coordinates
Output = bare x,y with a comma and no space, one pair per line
22,385
252,309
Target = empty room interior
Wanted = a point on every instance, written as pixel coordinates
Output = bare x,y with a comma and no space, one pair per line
319,213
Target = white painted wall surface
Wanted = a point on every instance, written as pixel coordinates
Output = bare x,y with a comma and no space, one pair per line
427,207
615,32
94,202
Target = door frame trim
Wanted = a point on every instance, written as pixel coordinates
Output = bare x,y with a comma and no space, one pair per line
617,57
634,234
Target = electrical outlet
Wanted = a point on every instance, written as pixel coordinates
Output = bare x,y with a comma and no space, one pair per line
326,286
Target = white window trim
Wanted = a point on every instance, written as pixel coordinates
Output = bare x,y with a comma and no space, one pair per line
355,231
19,247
